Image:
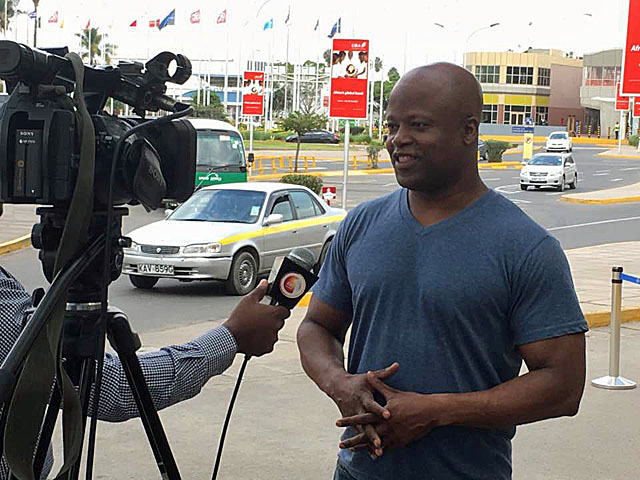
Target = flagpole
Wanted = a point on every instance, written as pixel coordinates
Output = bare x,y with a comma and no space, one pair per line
199,80
6,3
317,71
226,69
286,73
381,100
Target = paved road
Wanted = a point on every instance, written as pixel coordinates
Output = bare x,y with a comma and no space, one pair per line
172,303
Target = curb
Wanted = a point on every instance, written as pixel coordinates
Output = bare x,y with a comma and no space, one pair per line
603,201
613,155
17,244
603,318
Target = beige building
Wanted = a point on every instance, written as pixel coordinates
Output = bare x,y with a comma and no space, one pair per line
541,84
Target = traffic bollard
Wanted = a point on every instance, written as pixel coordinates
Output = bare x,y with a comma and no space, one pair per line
614,381
273,165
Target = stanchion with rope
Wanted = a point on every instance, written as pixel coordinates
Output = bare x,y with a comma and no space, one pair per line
614,381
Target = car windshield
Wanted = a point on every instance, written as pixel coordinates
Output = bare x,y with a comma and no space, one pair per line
219,148
546,160
558,136
235,206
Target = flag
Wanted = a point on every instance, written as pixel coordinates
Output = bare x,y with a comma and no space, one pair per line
154,23
54,18
286,20
134,23
88,25
195,17
168,20
222,18
268,25
317,25
33,14
335,29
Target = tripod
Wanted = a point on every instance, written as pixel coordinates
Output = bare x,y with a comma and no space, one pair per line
83,342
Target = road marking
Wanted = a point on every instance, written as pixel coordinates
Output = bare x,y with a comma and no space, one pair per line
516,178
490,179
616,180
593,223
603,171
556,193
629,168
599,174
509,189
518,201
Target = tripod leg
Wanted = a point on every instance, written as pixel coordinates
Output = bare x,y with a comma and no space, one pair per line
125,342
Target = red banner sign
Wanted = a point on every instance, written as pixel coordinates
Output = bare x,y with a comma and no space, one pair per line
349,78
253,93
631,60
636,106
622,103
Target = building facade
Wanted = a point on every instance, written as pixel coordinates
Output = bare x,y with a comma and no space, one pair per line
597,93
540,84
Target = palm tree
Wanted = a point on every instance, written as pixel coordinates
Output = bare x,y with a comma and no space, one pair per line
10,5
92,37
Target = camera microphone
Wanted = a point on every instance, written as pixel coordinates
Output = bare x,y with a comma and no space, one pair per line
291,277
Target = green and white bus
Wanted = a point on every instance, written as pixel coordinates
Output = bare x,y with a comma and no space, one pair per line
220,155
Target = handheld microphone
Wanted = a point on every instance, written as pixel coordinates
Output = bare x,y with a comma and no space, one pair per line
291,277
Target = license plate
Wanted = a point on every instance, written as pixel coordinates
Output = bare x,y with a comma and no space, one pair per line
537,180
156,269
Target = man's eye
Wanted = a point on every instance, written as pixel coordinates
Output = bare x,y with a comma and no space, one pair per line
392,127
420,124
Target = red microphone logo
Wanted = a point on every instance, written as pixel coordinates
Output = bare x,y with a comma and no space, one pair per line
292,285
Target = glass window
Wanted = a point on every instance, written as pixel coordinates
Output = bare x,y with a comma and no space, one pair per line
544,77
219,148
242,206
545,160
283,207
488,73
520,75
542,115
304,204
490,113
558,136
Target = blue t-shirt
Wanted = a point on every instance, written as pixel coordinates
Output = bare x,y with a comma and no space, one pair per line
451,303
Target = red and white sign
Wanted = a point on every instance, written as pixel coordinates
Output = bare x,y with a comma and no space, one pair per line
222,18
631,60
54,18
328,194
253,93
325,101
195,17
349,78
622,103
636,106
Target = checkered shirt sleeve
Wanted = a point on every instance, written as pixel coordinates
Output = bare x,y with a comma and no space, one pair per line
173,373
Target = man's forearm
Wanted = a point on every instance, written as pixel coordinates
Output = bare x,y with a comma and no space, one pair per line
321,354
537,395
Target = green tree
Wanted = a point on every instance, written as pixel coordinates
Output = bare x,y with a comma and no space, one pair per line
301,123
90,43
327,57
214,110
11,11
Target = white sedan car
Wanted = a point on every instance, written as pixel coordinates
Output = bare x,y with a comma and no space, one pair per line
232,233
559,142
550,170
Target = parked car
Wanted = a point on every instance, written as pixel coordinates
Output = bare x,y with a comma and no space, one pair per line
232,233
482,149
559,142
315,136
550,169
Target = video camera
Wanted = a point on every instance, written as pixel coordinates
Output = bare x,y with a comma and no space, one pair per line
39,138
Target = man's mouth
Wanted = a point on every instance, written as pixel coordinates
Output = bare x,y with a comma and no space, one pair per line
403,158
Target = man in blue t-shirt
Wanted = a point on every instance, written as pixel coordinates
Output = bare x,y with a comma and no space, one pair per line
447,287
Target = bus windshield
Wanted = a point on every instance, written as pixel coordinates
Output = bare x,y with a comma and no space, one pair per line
219,149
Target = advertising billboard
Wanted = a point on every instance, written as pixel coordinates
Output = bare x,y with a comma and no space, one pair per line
253,93
631,58
349,78
622,103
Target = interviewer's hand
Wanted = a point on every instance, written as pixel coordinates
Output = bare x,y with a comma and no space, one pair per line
353,394
255,325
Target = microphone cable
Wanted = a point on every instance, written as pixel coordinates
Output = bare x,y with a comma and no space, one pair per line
227,419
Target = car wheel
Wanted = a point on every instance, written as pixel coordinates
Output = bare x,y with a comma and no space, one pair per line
561,186
323,255
523,187
145,283
573,185
243,275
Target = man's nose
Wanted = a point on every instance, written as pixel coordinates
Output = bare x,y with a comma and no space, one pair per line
402,137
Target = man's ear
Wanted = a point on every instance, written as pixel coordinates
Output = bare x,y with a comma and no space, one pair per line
471,130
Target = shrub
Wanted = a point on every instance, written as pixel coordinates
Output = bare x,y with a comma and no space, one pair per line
495,149
361,138
633,140
373,154
312,182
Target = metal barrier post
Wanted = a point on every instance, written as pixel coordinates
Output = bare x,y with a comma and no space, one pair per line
313,162
281,161
273,165
290,164
306,164
614,381
355,163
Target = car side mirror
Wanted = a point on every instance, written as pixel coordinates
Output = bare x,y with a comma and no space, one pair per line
250,157
273,219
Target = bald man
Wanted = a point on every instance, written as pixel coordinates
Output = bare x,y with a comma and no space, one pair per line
447,287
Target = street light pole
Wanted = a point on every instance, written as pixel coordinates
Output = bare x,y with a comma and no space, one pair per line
466,44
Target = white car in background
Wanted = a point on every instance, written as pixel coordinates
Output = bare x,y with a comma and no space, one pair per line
231,233
559,142
550,170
